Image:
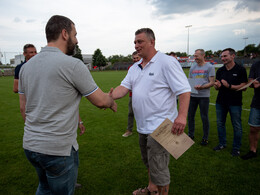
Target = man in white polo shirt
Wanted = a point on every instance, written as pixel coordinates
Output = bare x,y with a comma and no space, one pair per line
156,81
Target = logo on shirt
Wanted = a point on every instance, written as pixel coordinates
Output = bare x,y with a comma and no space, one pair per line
151,74
234,75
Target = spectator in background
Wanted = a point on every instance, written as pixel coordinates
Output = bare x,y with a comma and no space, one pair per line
173,55
254,117
204,73
130,121
28,51
229,78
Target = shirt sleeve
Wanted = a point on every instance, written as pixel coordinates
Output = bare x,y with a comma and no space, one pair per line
176,78
212,71
83,80
127,82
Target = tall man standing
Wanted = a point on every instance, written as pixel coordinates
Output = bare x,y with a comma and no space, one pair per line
204,73
254,117
155,82
229,79
51,86
28,51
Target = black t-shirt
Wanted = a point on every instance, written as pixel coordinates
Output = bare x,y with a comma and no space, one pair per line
234,76
255,73
17,70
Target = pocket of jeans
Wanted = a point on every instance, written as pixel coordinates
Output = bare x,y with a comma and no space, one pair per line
55,165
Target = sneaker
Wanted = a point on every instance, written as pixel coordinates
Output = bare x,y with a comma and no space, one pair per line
249,155
127,133
218,148
235,153
204,142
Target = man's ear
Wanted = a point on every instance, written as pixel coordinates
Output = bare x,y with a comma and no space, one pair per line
64,34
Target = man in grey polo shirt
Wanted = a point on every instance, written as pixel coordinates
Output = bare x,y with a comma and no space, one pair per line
156,80
50,88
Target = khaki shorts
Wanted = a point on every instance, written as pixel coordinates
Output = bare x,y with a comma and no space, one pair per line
156,159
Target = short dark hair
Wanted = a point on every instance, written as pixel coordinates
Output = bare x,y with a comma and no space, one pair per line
231,51
55,25
149,33
25,47
134,53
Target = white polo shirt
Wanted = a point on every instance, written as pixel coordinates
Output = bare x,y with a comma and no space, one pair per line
155,88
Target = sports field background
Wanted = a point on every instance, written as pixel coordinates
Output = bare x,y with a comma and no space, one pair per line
111,164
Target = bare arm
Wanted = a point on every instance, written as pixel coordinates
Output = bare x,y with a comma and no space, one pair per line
81,127
206,86
232,87
180,122
119,92
102,100
15,87
22,100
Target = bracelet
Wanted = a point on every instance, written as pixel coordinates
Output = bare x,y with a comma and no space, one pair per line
81,122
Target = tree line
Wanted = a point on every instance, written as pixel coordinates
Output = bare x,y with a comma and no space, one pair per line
99,60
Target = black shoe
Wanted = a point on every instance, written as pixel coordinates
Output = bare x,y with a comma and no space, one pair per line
235,153
204,142
218,148
249,155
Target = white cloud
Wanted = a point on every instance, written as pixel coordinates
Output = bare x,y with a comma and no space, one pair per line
239,31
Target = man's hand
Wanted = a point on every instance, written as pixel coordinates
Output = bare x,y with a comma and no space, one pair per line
225,83
198,87
82,129
217,84
179,125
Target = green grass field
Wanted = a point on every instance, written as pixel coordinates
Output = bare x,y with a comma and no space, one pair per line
111,164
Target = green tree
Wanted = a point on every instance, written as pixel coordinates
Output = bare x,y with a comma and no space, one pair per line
78,53
98,59
119,58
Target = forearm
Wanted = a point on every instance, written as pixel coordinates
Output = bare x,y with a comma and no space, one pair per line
22,100
184,101
15,87
236,87
119,92
101,99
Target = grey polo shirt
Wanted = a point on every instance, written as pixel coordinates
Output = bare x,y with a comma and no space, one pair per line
53,84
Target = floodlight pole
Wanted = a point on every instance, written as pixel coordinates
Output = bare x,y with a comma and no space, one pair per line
245,38
188,38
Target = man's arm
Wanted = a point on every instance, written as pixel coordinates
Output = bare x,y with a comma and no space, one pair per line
102,100
81,127
119,92
15,87
206,86
180,122
232,87
22,100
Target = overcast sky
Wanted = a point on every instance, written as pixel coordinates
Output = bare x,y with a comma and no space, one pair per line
110,24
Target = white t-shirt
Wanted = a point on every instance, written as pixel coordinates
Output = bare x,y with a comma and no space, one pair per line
155,89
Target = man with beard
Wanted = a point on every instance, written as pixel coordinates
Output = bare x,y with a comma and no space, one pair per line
229,78
50,88
204,73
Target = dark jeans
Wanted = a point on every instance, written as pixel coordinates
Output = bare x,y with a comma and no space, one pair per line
203,103
235,114
57,174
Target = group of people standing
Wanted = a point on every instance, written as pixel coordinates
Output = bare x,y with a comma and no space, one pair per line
52,83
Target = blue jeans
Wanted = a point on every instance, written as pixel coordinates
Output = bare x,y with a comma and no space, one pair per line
203,103
235,114
57,174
